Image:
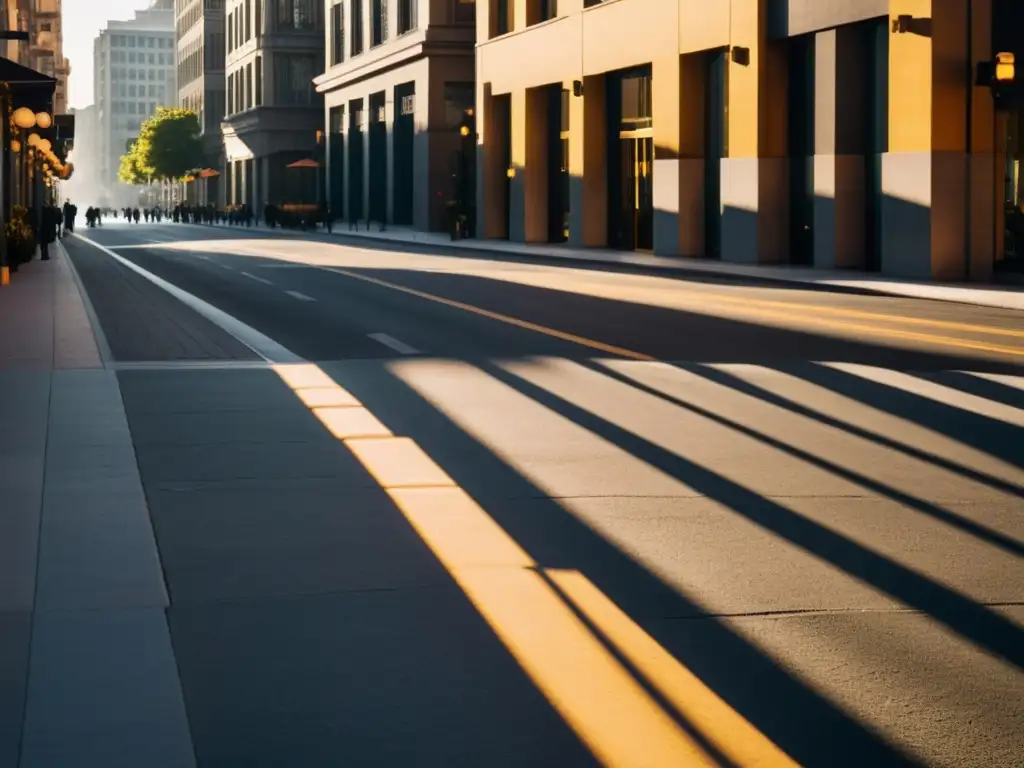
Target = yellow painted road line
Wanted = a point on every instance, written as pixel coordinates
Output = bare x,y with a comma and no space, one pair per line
858,313
576,670
525,324
732,735
948,341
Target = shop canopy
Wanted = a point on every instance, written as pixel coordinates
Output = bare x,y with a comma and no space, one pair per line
28,87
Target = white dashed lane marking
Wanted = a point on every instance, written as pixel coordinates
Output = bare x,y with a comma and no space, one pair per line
257,278
390,341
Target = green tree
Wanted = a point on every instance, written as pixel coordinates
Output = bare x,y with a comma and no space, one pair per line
169,144
132,170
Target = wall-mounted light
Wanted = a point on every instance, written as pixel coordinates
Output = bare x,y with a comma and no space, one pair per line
901,24
740,55
577,88
1000,71
510,173
1005,69
464,130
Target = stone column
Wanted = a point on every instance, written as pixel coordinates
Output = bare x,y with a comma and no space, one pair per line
390,110
692,161
588,165
666,98
924,172
755,172
490,191
528,217
840,141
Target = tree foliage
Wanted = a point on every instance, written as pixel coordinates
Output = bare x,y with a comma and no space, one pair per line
168,148
131,170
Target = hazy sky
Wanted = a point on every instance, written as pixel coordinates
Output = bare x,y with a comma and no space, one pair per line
83,20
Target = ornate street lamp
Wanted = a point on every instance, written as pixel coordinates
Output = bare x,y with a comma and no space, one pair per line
43,120
24,117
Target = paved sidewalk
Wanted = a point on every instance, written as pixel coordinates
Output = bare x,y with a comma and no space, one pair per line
87,675
1003,297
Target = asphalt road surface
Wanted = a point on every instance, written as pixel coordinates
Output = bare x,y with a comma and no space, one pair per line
479,511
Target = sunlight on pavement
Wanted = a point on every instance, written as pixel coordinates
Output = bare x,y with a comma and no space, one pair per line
532,611
937,392
905,331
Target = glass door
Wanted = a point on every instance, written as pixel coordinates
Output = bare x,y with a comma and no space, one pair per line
636,150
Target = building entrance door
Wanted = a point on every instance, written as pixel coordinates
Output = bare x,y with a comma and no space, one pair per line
636,150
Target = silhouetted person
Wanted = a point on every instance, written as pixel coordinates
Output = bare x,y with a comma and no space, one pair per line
47,230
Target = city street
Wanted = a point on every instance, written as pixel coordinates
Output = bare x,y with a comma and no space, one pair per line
454,509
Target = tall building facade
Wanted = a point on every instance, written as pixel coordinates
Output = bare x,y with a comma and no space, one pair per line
201,49
133,74
273,114
826,133
44,51
46,48
398,87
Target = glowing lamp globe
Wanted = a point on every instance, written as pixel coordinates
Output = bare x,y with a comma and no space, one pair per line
24,117
43,120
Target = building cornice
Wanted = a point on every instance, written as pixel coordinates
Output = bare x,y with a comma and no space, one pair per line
391,56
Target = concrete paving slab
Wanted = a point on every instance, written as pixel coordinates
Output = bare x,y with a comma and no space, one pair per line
22,471
408,677
924,691
205,391
276,538
23,412
103,691
320,458
69,465
15,633
96,540
19,545
719,559
97,550
220,427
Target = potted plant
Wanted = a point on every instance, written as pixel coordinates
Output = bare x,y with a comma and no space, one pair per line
21,240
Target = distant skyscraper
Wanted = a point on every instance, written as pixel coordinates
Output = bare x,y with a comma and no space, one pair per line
134,73
199,40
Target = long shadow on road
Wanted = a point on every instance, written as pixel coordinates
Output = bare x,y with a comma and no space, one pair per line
808,727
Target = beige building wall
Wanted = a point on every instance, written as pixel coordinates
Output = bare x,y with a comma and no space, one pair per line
436,49
925,204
